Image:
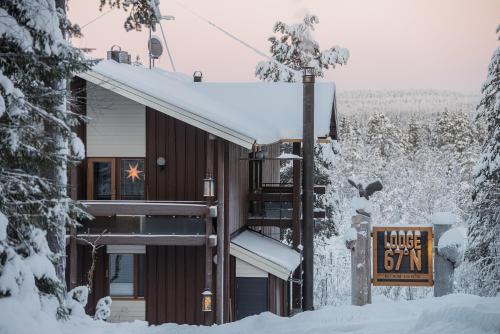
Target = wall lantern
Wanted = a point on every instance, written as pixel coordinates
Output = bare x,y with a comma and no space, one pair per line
206,301
209,186
161,162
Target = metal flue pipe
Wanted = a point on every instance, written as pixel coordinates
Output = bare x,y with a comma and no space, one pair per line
308,187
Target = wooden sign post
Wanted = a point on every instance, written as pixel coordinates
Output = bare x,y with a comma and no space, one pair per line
402,256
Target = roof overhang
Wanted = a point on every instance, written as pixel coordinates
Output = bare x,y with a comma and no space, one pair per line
256,250
167,108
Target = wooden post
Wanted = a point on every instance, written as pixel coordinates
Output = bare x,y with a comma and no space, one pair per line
361,262
308,189
443,269
208,223
296,228
219,314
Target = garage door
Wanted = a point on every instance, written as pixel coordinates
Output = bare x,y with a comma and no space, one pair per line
251,296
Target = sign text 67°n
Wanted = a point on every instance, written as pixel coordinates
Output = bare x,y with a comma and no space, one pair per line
402,256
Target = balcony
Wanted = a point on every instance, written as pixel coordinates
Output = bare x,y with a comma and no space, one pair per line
148,223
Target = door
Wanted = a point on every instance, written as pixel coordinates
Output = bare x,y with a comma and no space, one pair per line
251,296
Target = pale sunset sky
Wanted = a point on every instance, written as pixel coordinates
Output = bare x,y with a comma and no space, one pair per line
394,44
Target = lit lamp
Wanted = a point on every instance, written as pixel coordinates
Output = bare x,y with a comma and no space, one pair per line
206,301
208,186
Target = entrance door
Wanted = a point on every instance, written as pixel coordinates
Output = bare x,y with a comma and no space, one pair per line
251,296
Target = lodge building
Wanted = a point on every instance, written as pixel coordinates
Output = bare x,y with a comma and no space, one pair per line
183,179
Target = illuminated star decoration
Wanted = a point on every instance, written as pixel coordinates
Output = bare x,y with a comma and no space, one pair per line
133,172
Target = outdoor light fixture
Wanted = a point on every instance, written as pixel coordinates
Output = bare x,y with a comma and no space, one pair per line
206,301
161,162
208,186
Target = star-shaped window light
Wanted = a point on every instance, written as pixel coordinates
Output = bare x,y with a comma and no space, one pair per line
134,172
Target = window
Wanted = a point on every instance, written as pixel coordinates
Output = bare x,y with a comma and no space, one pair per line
102,173
126,275
132,179
101,179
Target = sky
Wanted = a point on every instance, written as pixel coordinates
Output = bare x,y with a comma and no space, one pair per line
394,44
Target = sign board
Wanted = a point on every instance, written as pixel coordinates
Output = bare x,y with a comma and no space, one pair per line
402,256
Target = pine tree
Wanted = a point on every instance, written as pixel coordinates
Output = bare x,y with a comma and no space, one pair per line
383,135
37,144
484,225
296,48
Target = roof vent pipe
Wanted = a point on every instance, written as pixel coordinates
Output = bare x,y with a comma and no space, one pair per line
197,76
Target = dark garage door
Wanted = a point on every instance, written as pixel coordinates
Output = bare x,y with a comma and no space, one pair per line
251,296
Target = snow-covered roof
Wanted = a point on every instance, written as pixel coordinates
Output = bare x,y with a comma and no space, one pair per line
265,253
243,113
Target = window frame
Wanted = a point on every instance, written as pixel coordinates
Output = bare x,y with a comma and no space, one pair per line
136,277
115,176
90,176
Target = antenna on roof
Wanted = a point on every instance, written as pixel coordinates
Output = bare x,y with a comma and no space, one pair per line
155,48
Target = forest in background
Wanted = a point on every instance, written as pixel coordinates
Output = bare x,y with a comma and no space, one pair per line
423,146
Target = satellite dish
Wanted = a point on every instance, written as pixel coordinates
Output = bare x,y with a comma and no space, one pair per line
155,47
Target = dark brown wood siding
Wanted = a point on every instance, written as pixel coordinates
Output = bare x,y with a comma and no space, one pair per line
278,296
183,147
174,283
237,187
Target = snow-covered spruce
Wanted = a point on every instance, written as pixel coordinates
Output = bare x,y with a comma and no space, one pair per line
37,145
484,225
296,48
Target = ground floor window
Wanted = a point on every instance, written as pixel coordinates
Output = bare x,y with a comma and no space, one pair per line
126,275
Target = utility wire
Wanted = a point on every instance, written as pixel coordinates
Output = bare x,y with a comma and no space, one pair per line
168,50
97,18
225,32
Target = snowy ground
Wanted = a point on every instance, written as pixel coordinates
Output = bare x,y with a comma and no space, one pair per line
450,314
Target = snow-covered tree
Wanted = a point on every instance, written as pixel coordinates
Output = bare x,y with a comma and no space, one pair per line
37,144
383,135
295,48
484,226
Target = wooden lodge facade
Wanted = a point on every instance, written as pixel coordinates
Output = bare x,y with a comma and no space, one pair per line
187,203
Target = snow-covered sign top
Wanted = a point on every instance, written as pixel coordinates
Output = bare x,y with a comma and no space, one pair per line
242,113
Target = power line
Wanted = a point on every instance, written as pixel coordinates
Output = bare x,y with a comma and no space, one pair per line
97,18
239,40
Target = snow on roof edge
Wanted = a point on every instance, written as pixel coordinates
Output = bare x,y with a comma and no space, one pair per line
268,253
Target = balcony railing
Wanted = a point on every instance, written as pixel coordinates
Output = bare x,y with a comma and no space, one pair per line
147,222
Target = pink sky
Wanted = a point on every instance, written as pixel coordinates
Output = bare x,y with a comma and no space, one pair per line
394,44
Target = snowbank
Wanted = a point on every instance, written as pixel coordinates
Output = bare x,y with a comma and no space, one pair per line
450,314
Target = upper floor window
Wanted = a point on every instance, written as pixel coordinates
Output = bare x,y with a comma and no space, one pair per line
132,179
115,178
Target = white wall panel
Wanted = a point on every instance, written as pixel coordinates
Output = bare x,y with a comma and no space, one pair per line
117,127
244,269
127,310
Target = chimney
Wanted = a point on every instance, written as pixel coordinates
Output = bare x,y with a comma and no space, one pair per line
308,187
118,55
197,76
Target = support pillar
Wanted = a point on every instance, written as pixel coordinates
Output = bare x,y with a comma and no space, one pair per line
443,268
219,315
296,228
361,261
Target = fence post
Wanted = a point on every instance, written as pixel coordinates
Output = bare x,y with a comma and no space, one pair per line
443,269
361,261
